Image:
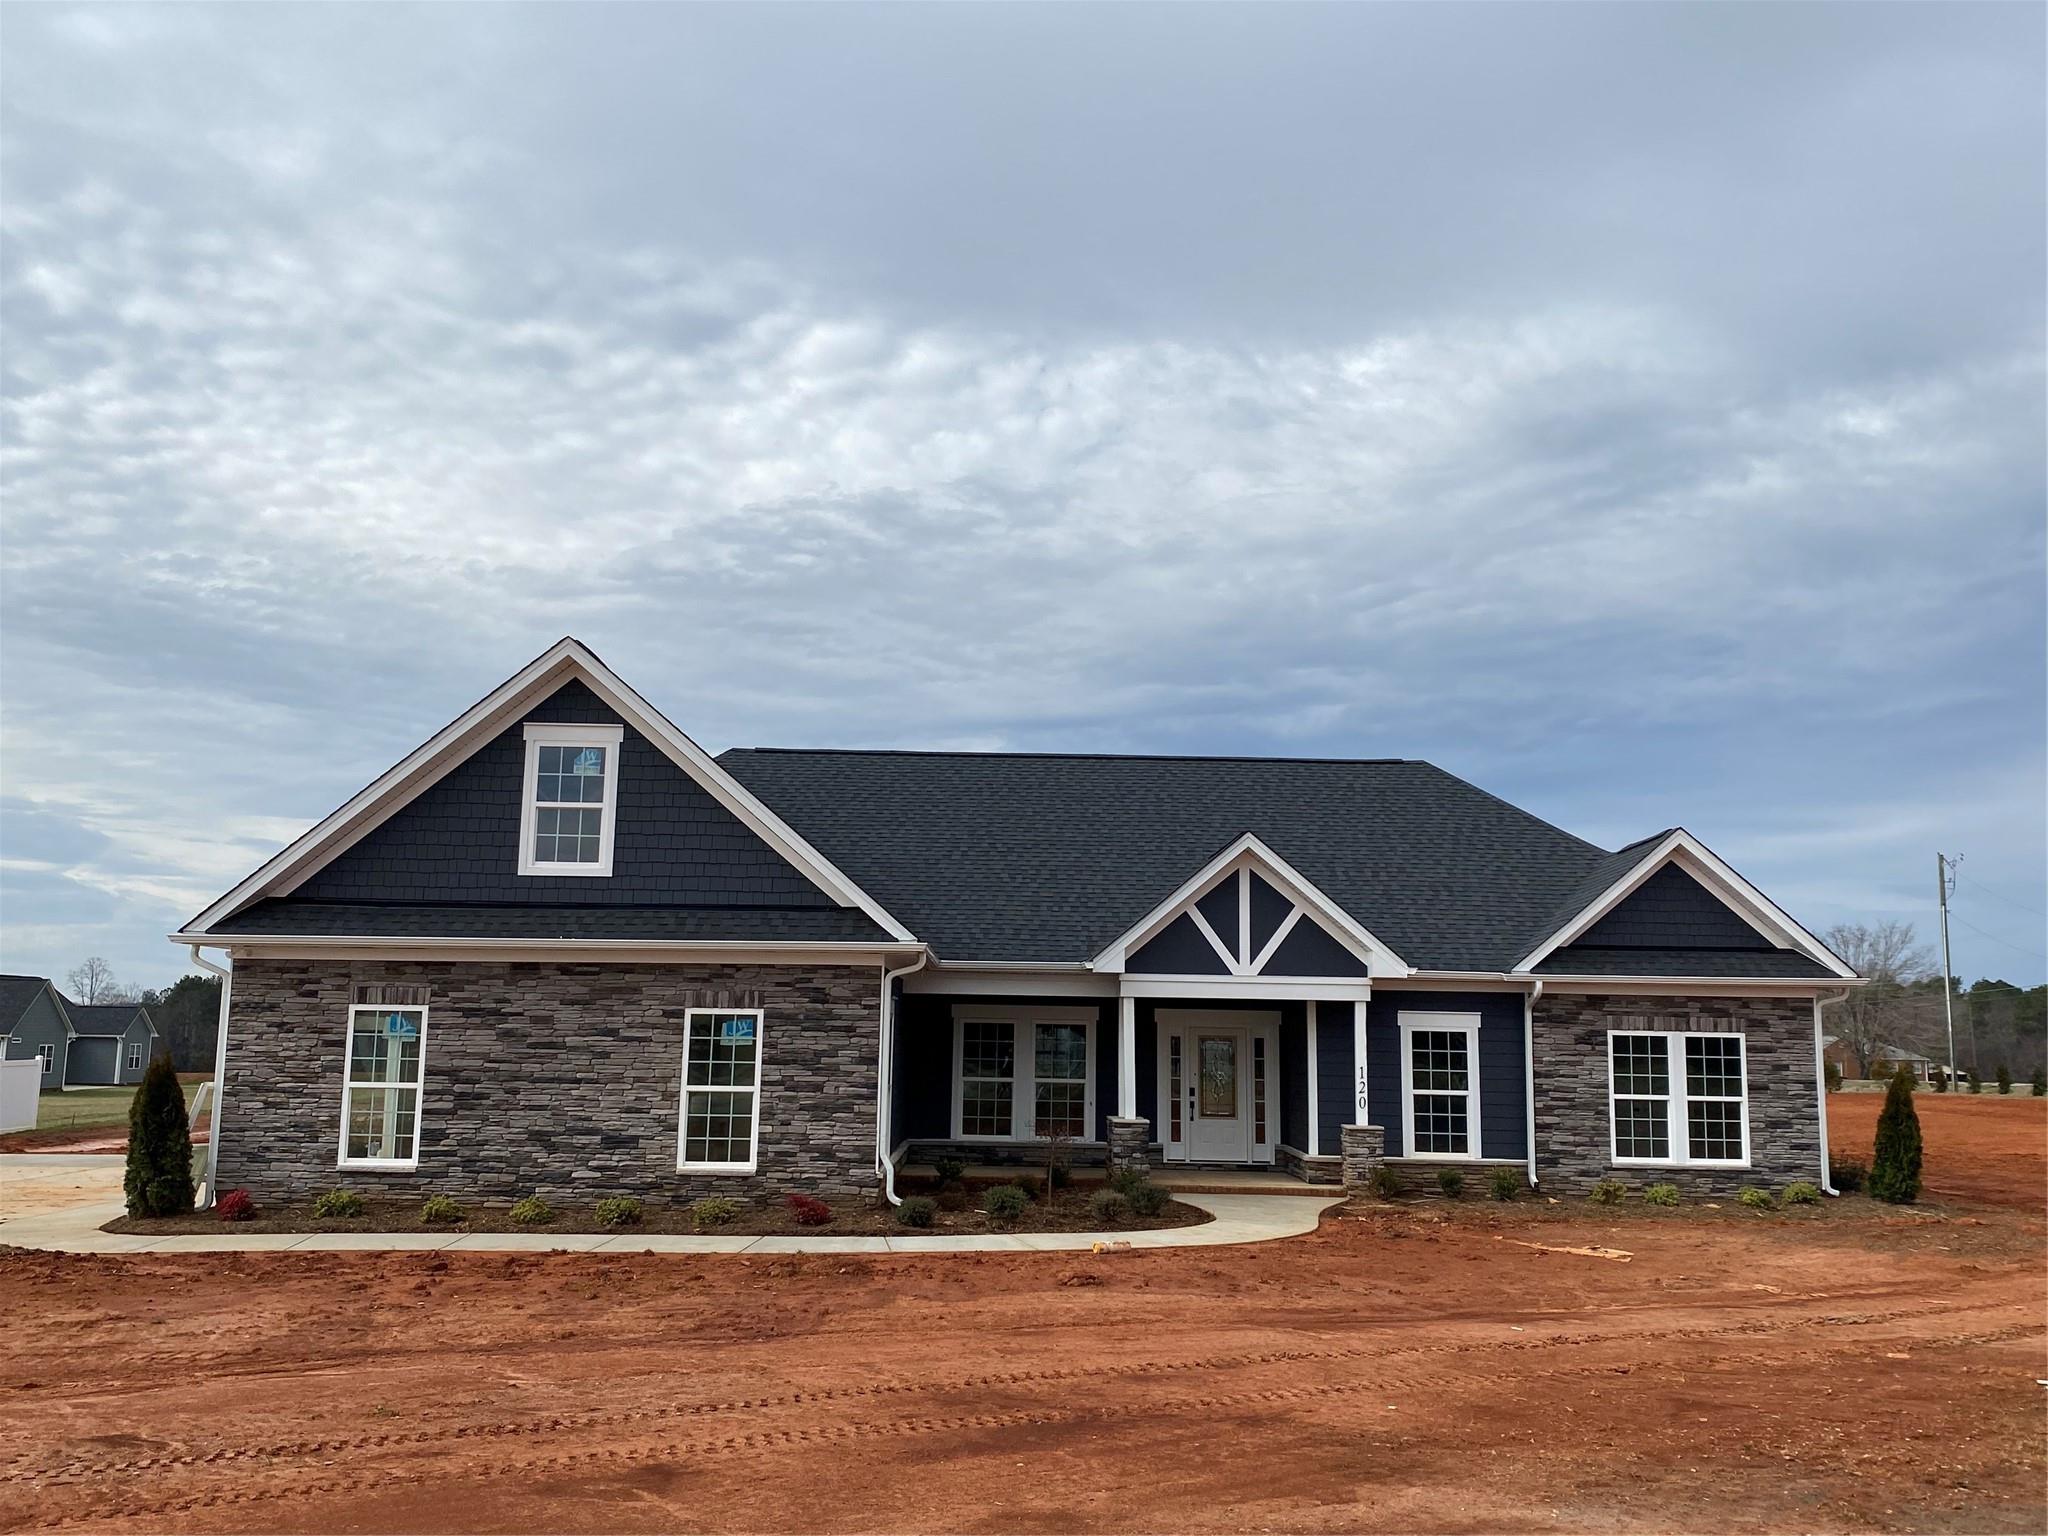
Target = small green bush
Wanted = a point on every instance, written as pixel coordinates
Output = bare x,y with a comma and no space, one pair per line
439,1211
1940,1081
1608,1192
1111,1207
949,1169
338,1205
917,1211
1148,1199
2041,1082
1976,1085
1834,1076
1506,1182
953,1198
2004,1078
1756,1199
1895,1168
714,1211
619,1211
1800,1192
1847,1174
1004,1204
1661,1194
533,1212
1451,1182
1385,1183
158,1180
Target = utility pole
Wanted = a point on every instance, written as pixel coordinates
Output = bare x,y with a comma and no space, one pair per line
1944,882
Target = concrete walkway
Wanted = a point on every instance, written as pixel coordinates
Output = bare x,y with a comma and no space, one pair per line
58,1203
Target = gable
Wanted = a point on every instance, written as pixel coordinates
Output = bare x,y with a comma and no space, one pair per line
1672,910
1242,922
459,841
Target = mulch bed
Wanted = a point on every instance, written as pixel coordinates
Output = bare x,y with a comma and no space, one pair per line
1069,1211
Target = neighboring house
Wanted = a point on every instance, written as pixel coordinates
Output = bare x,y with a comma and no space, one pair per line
1884,1060
111,1044
33,1025
560,948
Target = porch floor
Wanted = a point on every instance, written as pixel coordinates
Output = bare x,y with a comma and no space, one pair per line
1179,1178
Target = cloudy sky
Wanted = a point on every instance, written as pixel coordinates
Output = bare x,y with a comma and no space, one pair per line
1638,411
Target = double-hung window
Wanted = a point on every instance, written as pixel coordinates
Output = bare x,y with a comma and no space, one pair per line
1440,1084
1678,1097
134,1056
721,1099
49,1055
1024,1077
571,792
382,1076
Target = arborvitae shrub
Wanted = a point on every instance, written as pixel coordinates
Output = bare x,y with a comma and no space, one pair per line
159,1177
2041,1082
2004,1078
1895,1167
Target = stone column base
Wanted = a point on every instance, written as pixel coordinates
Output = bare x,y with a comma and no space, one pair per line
1129,1143
1364,1147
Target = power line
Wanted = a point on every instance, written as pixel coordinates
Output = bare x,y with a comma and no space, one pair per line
1994,938
1973,885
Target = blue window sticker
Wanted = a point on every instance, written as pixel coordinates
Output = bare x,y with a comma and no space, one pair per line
741,1029
401,1026
589,761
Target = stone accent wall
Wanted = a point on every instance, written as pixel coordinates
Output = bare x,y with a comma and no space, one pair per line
1130,1144
1310,1170
1572,1118
560,1079
1364,1147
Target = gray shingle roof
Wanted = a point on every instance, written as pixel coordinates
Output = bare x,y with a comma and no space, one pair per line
16,993
1040,857
102,1018
817,925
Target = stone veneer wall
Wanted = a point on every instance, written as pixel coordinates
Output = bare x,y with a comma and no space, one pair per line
1572,1119
560,1079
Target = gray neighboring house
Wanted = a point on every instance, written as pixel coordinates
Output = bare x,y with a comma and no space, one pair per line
34,1022
560,948
112,1044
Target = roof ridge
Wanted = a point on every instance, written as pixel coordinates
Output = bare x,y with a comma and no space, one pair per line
1135,757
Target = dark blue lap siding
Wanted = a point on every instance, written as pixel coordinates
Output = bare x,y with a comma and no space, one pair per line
1503,1072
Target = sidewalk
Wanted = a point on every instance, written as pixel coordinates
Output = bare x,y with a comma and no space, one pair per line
57,1204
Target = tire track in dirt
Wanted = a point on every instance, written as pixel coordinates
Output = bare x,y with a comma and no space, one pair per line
765,1439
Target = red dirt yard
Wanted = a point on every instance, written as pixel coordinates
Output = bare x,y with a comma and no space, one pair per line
1418,1367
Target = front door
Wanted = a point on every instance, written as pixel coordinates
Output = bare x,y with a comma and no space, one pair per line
1218,1129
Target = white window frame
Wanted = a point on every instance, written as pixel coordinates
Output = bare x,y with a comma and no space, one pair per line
1677,1101
684,1090
134,1056
1024,1069
609,738
48,1053
418,1085
1466,1024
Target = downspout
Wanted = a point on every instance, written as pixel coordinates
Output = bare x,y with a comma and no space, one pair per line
885,1100
1529,1067
1820,1086
220,1069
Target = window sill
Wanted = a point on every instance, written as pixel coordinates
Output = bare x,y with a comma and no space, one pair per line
1697,1162
599,870
717,1168
1443,1157
378,1164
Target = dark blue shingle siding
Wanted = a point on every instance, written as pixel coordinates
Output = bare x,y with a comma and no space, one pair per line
1672,910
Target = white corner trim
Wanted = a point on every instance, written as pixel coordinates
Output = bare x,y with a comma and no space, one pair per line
1680,847
434,758
1238,860
540,735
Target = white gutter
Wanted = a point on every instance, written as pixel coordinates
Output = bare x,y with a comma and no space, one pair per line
1820,1086
885,1076
1529,1066
220,1068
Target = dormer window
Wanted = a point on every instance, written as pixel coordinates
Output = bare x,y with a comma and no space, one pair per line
572,784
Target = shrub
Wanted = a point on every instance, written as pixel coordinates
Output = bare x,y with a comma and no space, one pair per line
1507,1183
1756,1199
1111,1207
808,1211
619,1211
159,1177
236,1205
1147,1198
1976,1085
2004,1078
714,1211
1847,1174
1834,1076
917,1211
949,1169
953,1199
1004,1204
1661,1194
1385,1183
338,1205
2041,1082
1800,1192
440,1211
1940,1081
1608,1192
1451,1182
1895,1169
532,1212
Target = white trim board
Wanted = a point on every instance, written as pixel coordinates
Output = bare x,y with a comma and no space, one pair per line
1680,847
565,661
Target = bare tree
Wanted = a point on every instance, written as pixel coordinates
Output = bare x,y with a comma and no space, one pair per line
1886,1013
92,981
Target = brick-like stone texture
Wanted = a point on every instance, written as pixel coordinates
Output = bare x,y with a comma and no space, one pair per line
1130,1144
1310,1170
1364,1147
558,1079
1572,1120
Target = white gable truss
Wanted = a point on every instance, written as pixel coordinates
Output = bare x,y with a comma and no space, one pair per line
1680,847
565,661
1239,861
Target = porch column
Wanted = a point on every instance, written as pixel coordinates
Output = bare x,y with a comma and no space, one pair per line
1315,1127
1129,1137
1359,1116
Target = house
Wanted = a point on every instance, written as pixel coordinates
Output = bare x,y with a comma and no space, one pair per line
558,947
81,1045
112,1044
35,1026
1884,1060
